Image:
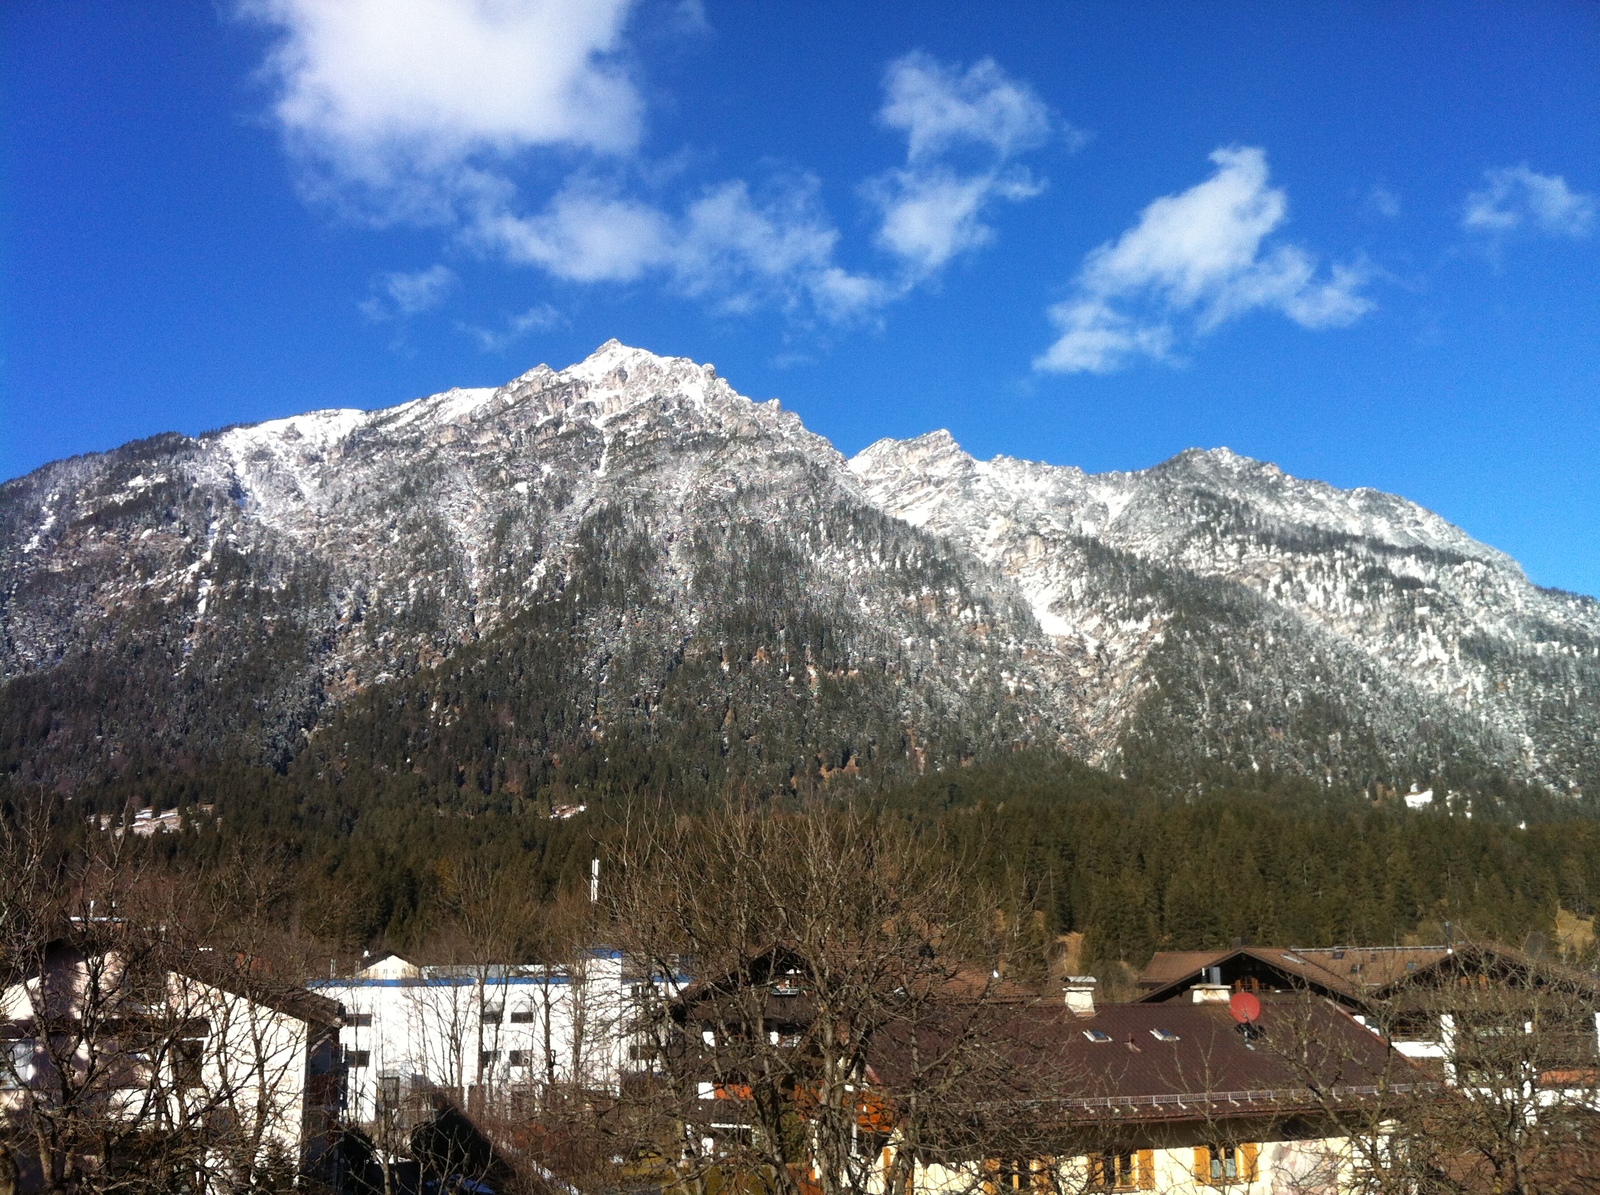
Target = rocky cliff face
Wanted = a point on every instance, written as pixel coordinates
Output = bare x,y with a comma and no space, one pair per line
628,560
1239,613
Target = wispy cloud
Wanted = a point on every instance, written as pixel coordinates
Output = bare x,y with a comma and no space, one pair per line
405,294
448,112
727,245
1194,261
1519,198
1384,200
538,318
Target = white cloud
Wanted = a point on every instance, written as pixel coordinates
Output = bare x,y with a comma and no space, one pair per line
538,318
939,108
390,99
742,250
584,235
449,112
729,242
727,245
1194,261
931,207
932,214
1517,196
410,294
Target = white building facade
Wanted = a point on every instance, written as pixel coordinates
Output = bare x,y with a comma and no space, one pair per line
480,1032
238,1078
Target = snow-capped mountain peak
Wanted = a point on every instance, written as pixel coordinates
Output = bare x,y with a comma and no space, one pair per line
1211,607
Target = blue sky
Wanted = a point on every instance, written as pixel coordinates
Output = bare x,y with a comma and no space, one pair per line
1357,240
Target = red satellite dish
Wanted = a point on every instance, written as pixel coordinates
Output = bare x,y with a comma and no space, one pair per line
1245,1007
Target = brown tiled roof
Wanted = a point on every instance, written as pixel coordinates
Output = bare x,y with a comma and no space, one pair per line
956,982
220,971
1365,968
969,983
284,996
1357,975
1170,965
1198,1066
1296,965
1490,957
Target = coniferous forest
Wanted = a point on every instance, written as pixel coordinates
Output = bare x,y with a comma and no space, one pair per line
1132,865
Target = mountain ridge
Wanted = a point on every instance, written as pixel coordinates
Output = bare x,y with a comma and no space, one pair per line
254,582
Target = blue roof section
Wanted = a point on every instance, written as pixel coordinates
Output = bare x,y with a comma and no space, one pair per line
463,975
444,981
458,975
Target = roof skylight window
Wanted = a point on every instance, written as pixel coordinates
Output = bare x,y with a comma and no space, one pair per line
1096,1035
1163,1035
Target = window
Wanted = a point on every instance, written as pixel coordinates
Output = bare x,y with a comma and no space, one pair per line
1163,1035
1011,1174
1413,1024
488,1057
522,1016
1097,1035
521,1058
222,1122
357,1058
388,1093
358,1020
140,1050
788,984
1226,1165
1114,1171
187,1056
16,1068
493,1013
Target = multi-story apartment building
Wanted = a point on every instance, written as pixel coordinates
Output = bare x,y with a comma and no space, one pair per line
488,1033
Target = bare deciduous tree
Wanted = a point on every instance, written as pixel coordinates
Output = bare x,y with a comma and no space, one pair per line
1506,1099
138,1059
821,1006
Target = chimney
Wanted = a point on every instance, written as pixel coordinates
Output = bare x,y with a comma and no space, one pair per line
1080,994
1210,993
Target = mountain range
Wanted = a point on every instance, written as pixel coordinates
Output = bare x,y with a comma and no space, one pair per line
624,573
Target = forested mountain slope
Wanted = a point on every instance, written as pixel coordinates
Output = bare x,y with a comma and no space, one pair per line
625,574
1237,613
